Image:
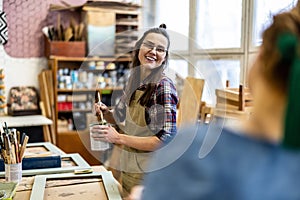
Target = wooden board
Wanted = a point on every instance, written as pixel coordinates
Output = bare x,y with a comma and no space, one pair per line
42,147
233,94
190,101
232,107
231,114
25,187
105,188
222,100
90,190
45,105
70,162
47,97
50,85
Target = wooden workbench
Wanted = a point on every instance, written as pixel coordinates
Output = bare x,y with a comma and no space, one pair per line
36,126
64,184
25,187
25,121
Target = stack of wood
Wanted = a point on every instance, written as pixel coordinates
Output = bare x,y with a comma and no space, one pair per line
190,100
234,102
48,104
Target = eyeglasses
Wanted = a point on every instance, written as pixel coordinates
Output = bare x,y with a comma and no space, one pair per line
159,49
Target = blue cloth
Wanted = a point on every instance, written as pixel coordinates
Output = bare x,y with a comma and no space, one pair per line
239,167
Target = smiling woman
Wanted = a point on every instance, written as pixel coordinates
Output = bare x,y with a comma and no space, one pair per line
148,108
152,53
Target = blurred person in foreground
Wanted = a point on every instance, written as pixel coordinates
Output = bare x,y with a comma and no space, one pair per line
261,159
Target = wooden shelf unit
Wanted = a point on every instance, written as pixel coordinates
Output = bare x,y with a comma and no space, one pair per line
128,21
70,140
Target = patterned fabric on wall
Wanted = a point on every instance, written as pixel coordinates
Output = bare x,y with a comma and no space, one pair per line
25,20
3,28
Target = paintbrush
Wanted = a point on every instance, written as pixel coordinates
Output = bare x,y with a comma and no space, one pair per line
101,114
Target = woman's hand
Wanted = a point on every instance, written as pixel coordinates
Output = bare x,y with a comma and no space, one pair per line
107,114
101,108
106,133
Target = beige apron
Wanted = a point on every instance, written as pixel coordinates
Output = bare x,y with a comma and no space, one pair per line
134,162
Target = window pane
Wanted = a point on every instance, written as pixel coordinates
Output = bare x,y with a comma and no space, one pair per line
264,10
178,66
175,14
177,71
216,73
219,27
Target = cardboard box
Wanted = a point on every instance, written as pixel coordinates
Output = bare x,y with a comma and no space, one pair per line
62,48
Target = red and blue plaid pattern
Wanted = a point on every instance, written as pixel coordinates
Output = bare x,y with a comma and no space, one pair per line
160,111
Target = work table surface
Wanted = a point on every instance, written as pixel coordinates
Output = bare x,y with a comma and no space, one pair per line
25,187
25,121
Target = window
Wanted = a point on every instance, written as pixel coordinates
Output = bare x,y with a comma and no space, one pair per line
178,66
220,30
219,27
225,69
175,14
263,13
216,72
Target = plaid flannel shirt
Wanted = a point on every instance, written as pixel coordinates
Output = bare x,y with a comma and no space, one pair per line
160,111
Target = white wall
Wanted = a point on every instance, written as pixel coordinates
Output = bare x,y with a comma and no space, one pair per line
21,71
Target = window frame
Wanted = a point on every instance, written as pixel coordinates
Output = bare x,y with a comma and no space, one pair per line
193,54
216,57
245,53
223,50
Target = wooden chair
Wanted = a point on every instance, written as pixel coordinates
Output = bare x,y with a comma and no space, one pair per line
234,103
206,112
190,101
